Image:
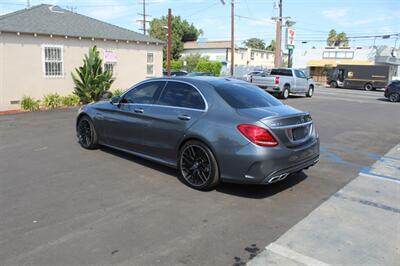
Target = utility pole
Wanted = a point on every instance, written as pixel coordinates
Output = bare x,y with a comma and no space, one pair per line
232,35
28,4
169,44
144,20
278,37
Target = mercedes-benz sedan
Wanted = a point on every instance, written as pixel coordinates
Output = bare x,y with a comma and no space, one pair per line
211,129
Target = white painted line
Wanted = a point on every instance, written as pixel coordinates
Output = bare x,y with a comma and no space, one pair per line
381,178
293,255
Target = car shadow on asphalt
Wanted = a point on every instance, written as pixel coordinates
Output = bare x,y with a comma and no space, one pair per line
238,190
261,191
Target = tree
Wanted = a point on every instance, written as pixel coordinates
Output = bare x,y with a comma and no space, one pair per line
337,40
213,67
255,43
182,32
91,82
271,46
192,60
342,40
330,41
176,64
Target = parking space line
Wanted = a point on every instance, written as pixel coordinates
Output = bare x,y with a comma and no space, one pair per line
367,202
381,177
293,255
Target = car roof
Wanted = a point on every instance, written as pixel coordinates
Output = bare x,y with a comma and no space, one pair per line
214,81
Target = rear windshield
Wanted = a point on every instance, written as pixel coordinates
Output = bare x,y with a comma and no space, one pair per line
281,72
242,95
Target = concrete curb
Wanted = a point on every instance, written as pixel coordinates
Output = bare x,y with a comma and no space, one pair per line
360,224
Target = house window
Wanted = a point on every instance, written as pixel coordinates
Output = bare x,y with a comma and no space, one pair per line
252,55
53,61
110,66
262,55
150,64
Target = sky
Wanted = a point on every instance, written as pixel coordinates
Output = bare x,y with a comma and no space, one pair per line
314,18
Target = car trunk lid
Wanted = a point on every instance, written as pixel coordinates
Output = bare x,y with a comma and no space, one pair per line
291,126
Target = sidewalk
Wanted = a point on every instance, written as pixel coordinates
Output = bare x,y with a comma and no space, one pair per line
359,225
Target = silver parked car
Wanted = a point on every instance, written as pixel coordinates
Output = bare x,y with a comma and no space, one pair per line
285,81
210,129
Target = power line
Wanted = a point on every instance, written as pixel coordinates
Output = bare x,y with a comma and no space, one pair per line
144,20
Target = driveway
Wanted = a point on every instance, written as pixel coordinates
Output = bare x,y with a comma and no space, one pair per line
61,204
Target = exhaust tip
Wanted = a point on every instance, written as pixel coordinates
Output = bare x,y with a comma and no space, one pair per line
277,178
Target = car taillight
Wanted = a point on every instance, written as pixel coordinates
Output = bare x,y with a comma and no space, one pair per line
258,135
276,80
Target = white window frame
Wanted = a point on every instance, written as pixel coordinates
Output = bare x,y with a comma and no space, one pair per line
150,63
114,72
61,47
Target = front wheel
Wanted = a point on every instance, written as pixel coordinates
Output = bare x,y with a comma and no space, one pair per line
394,97
86,133
310,91
197,166
368,87
333,84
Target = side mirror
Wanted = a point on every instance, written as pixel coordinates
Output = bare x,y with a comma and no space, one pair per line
115,100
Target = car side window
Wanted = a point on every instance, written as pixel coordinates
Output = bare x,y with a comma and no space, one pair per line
297,73
181,95
143,93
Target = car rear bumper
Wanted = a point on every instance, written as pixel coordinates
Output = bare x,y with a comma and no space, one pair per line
267,163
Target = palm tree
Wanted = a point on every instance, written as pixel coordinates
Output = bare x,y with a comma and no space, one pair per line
91,82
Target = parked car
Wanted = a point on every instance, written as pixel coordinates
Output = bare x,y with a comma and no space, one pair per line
248,76
367,77
175,73
211,129
195,74
392,91
284,81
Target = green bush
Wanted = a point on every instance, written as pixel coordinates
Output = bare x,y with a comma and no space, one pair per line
206,65
70,100
52,100
176,65
91,82
30,104
118,92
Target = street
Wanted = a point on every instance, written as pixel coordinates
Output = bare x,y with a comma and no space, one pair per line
61,204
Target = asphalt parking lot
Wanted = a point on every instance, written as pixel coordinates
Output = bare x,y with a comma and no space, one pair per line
61,204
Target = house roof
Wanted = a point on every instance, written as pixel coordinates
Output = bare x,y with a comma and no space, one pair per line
208,45
54,20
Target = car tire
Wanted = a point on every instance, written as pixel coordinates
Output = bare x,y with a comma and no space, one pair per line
368,87
86,133
394,97
285,92
310,91
197,166
333,84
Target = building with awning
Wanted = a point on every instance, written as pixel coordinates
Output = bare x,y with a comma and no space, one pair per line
317,61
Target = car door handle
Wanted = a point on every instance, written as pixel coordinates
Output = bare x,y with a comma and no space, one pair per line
184,117
138,110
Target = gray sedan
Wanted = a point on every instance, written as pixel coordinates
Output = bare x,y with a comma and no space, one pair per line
211,129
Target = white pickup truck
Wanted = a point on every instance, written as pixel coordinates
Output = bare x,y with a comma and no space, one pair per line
284,81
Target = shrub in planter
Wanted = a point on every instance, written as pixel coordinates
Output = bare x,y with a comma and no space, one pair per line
118,92
29,104
70,100
52,100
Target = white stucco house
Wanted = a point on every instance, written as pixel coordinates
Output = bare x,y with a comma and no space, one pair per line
41,46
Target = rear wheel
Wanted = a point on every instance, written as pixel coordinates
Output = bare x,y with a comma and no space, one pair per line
394,97
197,166
310,91
86,133
285,92
368,87
333,84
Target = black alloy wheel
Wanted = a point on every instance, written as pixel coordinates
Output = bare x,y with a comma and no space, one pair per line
394,97
86,133
197,166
